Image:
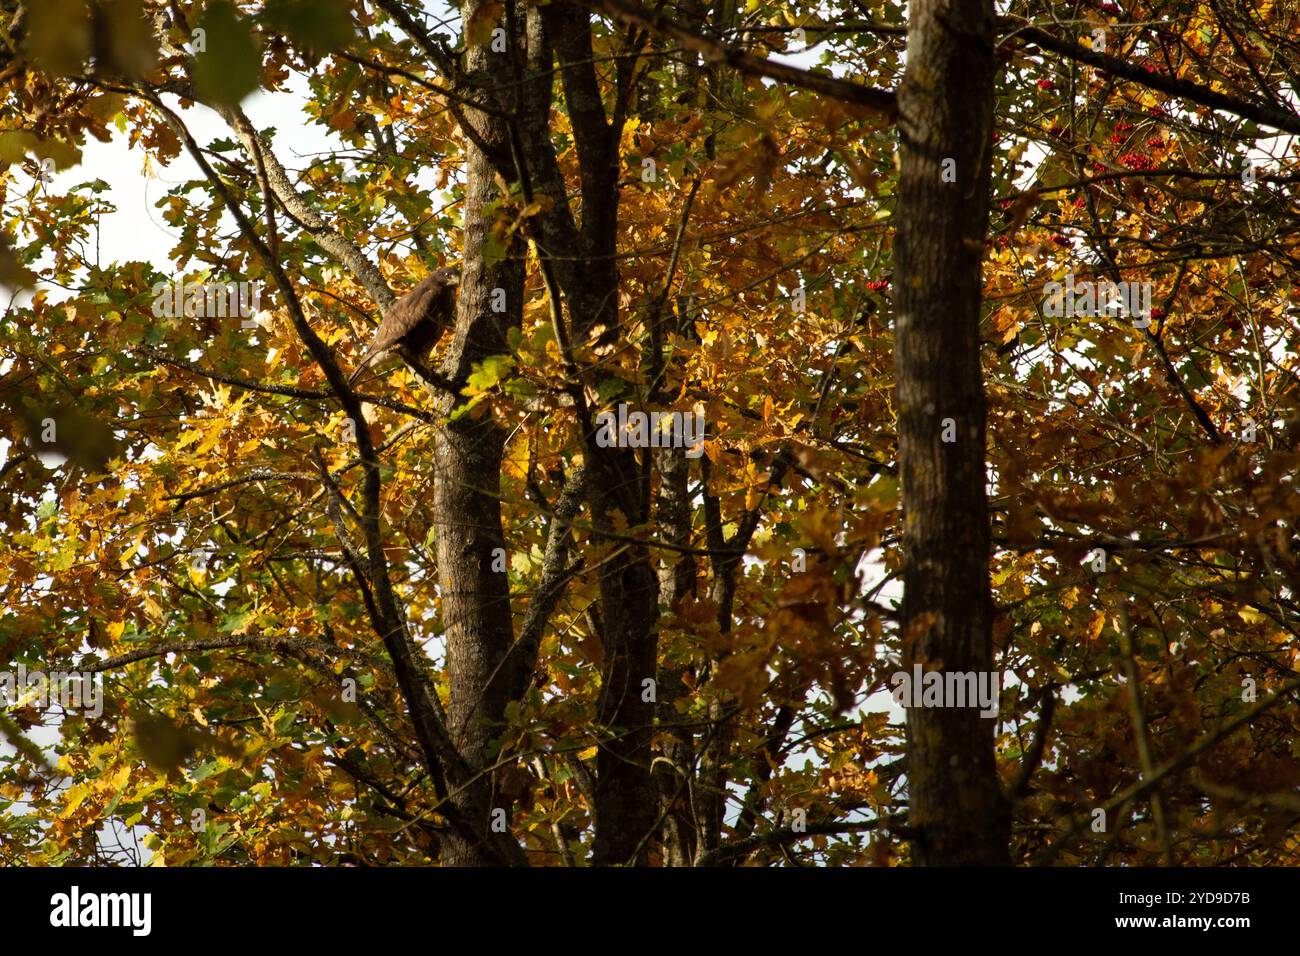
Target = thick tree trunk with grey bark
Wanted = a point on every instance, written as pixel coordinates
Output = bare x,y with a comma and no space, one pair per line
945,123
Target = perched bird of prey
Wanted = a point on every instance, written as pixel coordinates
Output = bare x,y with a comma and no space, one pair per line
414,322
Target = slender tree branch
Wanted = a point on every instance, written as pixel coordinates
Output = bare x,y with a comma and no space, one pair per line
846,91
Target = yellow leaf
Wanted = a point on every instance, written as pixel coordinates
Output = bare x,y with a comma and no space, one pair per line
210,439
1250,615
76,795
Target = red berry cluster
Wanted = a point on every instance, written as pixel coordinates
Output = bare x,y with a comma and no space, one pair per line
878,285
1137,161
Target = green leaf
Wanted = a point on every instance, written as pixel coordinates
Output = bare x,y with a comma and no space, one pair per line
127,42
317,26
229,65
463,410
284,721
14,144
205,770
233,622
490,371
521,388
13,274
610,388
58,35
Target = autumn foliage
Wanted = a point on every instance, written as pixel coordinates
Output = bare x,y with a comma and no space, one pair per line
210,528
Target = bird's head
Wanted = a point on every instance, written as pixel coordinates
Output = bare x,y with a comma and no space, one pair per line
448,278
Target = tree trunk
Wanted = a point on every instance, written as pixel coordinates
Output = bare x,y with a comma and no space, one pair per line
474,586
945,114
673,775
626,804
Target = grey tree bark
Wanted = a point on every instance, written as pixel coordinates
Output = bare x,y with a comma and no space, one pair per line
945,118
467,494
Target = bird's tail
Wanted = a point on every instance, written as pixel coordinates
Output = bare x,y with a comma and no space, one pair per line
361,367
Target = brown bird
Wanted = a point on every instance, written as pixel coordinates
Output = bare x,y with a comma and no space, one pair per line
414,322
